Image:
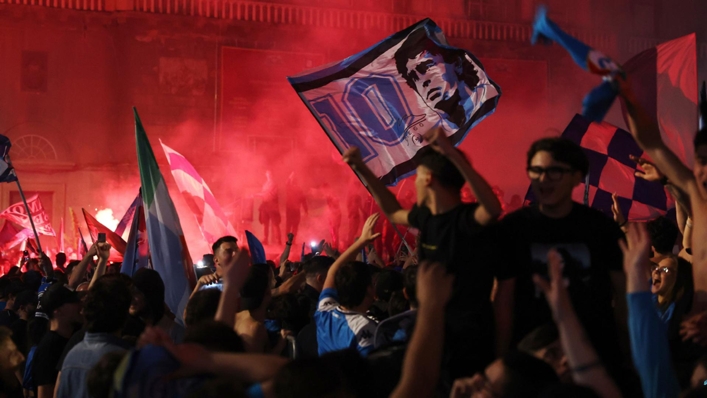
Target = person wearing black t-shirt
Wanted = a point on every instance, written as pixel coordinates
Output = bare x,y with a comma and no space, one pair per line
63,307
448,233
587,240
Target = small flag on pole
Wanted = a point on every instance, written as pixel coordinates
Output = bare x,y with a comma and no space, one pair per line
117,243
597,103
17,213
137,250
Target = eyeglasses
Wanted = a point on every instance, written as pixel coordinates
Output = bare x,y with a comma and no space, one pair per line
664,270
552,173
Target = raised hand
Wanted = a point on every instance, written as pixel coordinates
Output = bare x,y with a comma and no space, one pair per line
650,171
434,285
439,141
636,257
290,237
208,279
367,233
236,270
616,209
555,290
103,250
352,157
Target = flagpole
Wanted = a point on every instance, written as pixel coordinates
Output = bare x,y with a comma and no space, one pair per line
22,195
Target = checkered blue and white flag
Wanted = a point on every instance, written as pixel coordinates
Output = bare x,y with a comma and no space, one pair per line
611,170
384,99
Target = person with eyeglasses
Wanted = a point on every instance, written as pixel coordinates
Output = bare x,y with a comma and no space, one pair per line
587,240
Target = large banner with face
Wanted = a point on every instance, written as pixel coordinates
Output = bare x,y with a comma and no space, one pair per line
384,99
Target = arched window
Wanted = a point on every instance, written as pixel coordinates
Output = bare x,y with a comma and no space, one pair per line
32,147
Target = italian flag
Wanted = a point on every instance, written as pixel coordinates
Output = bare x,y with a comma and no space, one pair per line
168,249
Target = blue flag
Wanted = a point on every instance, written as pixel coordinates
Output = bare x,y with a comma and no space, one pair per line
257,252
597,103
128,216
7,172
385,98
137,249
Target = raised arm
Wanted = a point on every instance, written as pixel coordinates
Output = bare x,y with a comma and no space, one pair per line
367,235
46,264
79,271
423,358
649,341
586,367
234,276
489,206
645,131
381,194
286,253
103,250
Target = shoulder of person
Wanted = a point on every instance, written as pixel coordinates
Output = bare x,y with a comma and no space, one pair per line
596,217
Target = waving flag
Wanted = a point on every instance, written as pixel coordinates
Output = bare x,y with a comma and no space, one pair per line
257,252
611,170
11,236
117,243
127,218
137,250
18,214
202,202
599,100
168,249
384,99
664,80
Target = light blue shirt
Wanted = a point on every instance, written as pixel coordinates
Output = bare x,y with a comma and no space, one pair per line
80,360
338,329
650,348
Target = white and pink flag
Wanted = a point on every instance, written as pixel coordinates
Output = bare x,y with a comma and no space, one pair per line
209,215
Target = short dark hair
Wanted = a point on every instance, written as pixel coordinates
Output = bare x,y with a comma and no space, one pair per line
663,233
410,283
214,336
60,258
397,303
290,310
539,338
150,284
352,282
561,150
443,170
256,285
222,240
387,282
525,375
417,43
317,265
202,306
107,304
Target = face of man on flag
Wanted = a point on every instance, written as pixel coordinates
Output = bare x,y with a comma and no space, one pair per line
445,80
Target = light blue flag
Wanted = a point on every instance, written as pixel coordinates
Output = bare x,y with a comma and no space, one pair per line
597,103
137,247
385,98
257,252
128,216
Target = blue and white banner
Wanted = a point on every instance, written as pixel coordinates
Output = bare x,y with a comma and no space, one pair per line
384,99
597,103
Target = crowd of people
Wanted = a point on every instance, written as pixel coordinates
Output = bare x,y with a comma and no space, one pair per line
554,299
